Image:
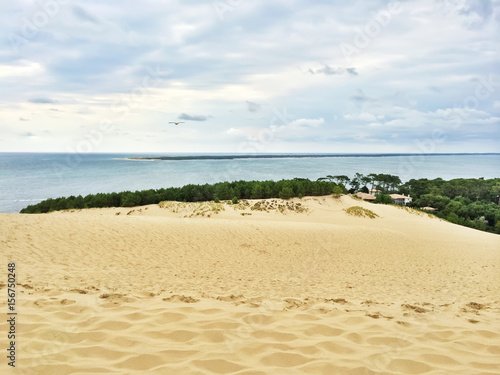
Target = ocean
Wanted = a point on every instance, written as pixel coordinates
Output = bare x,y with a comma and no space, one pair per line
28,178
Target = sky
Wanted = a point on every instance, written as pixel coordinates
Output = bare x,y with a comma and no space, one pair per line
260,76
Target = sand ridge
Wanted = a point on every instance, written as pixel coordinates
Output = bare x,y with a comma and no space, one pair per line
289,287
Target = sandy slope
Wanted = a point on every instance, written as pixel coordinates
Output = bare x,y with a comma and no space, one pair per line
296,289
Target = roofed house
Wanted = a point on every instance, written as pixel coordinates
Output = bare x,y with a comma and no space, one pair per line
366,197
400,199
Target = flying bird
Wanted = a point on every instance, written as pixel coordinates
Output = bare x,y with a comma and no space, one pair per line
176,123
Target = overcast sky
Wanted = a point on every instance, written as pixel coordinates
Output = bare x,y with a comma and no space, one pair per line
250,76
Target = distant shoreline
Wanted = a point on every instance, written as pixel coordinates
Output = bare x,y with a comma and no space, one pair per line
277,156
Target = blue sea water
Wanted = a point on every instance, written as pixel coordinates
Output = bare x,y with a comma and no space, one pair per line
28,178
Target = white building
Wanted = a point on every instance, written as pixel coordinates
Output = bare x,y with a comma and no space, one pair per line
400,199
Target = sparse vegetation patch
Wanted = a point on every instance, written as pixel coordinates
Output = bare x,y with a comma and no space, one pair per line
361,212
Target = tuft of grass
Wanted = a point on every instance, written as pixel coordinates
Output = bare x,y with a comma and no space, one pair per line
278,206
241,205
193,208
361,212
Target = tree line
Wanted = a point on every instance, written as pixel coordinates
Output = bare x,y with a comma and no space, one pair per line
284,189
380,181
469,202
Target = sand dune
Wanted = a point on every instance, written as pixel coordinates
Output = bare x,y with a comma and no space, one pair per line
264,287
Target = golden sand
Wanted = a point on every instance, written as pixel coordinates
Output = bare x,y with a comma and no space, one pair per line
288,287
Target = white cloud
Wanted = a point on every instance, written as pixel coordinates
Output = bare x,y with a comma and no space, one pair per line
23,69
364,116
233,131
305,123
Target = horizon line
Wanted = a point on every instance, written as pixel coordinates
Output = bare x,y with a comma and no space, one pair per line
254,153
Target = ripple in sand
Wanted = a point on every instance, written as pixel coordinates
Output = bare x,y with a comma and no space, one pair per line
218,366
285,359
408,366
142,362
